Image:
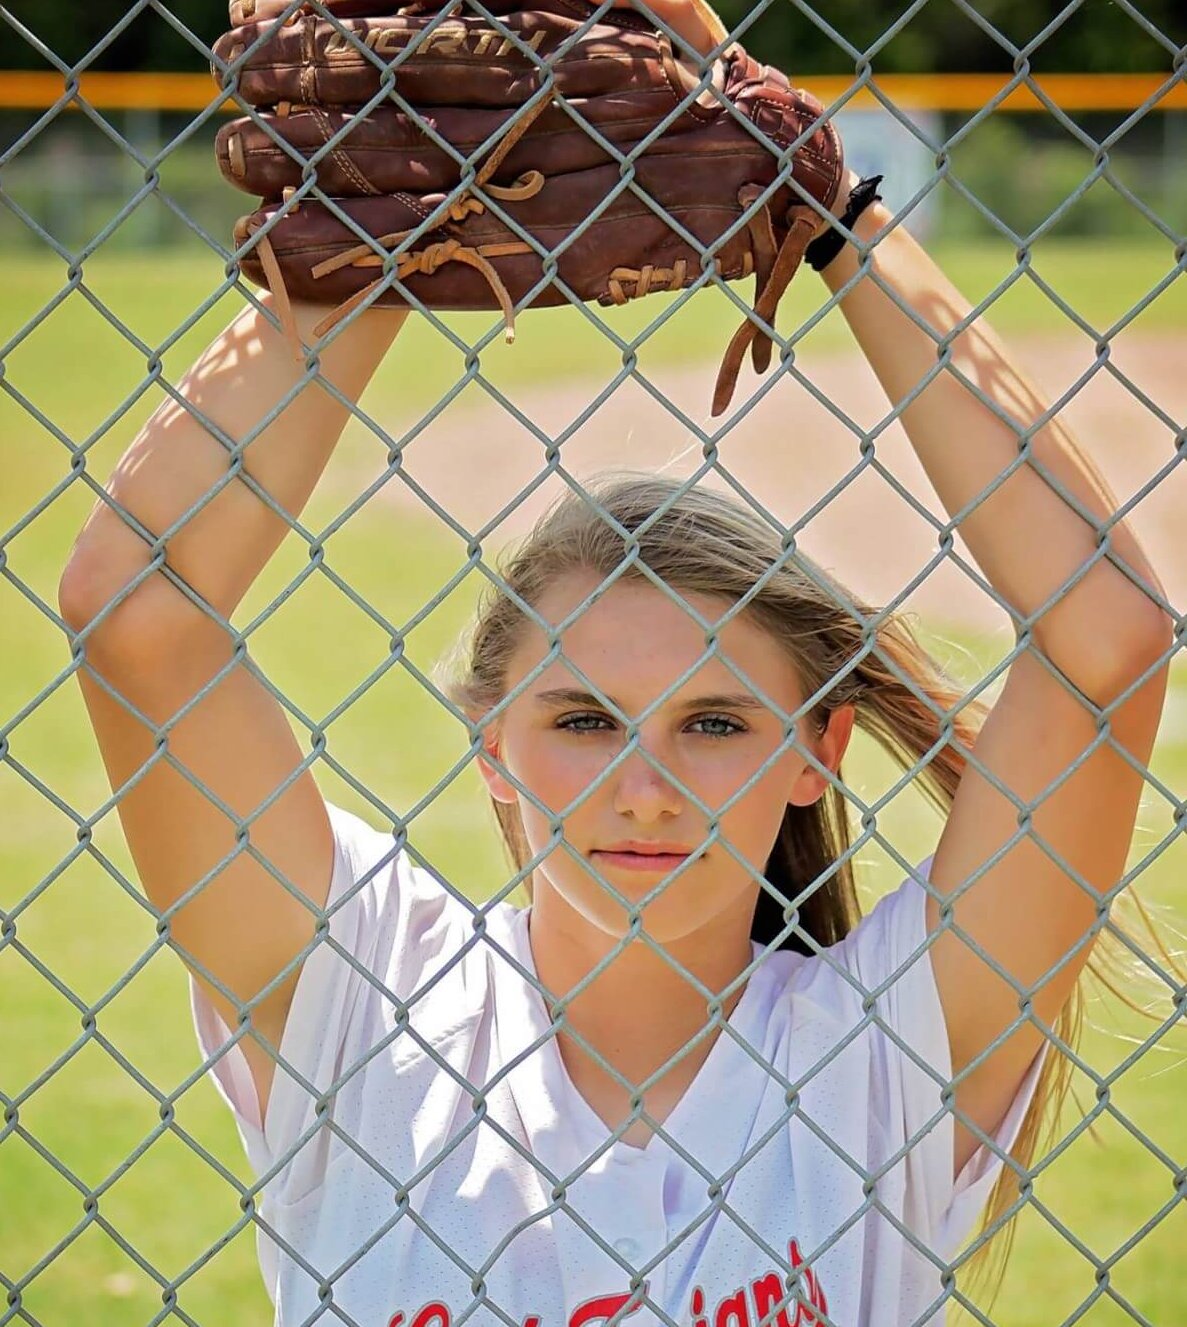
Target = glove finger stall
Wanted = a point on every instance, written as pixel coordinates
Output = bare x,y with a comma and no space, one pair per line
388,151
463,61
259,11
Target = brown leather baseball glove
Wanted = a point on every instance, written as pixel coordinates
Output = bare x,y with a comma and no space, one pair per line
537,107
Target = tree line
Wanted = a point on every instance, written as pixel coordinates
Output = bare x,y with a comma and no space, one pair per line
802,39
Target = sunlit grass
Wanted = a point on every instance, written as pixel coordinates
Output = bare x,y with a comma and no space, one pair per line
75,930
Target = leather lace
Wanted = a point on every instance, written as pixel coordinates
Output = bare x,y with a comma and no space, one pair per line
427,259
431,257
628,283
774,269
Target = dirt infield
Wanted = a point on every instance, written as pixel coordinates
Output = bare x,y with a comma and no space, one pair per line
790,450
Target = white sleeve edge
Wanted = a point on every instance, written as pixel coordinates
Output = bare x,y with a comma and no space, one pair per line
971,1188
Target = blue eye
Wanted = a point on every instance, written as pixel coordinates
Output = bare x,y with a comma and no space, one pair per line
571,724
590,723
731,725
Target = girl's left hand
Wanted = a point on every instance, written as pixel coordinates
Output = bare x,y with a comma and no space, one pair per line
694,20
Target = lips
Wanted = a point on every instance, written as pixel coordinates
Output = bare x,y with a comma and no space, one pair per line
642,856
647,847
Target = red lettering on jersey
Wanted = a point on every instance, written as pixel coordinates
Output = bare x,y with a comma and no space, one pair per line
733,1307
593,1310
731,1311
771,1290
435,1310
767,1293
804,1317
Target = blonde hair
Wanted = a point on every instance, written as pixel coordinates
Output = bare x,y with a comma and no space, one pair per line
694,540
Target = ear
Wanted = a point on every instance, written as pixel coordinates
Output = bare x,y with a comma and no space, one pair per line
829,749
497,785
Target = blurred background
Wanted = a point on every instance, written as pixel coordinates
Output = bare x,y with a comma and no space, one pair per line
73,176
121,1177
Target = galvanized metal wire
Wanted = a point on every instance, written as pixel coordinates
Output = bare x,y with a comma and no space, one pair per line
314,727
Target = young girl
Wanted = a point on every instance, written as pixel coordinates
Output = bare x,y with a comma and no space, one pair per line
689,1083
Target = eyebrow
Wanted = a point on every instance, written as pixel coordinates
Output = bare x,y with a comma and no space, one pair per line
727,700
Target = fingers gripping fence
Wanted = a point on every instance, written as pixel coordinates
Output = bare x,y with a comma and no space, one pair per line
90,1198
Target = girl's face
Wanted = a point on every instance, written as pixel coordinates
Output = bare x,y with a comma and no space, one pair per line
713,734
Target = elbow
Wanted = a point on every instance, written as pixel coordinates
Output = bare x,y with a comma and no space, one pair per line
105,557
81,592
99,581
80,595
1145,637
1104,662
117,608
1140,656
102,608
1109,634
1147,640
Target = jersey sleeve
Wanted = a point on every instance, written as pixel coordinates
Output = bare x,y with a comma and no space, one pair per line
384,916
888,953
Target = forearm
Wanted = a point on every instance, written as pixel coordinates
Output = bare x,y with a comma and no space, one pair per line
1026,539
175,461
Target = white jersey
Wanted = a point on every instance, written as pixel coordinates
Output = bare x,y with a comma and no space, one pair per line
399,1194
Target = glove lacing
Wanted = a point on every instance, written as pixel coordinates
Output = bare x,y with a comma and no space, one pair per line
774,267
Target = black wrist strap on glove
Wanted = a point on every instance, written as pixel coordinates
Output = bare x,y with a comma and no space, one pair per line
824,248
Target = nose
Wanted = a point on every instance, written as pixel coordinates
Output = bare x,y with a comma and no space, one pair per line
643,791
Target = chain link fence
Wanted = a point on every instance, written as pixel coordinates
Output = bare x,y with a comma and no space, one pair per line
148,1236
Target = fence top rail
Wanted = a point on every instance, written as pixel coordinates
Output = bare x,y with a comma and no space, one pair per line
38,90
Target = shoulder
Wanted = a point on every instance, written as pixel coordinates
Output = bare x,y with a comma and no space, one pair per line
381,867
389,907
882,965
890,935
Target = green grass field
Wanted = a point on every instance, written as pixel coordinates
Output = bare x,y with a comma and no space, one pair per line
73,931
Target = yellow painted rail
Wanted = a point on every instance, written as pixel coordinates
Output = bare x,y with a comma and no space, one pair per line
924,92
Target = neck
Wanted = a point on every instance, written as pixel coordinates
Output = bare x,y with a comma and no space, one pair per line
640,1010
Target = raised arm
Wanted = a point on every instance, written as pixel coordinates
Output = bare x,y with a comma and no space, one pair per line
1066,817
966,444
157,649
